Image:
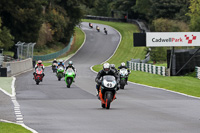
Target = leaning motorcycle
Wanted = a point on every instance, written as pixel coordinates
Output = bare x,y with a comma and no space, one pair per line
69,77
107,90
54,69
38,76
123,73
60,72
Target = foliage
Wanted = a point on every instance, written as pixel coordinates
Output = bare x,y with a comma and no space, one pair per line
143,7
43,21
126,6
165,8
194,14
102,8
23,18
167,25
6,39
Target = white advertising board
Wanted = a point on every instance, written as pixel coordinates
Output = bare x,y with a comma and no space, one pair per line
167,39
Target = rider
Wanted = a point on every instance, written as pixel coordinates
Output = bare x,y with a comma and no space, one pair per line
39,65
123,65
54,61
112,66
70,65
97,27
106,71
60,63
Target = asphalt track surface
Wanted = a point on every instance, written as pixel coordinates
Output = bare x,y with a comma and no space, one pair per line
51,107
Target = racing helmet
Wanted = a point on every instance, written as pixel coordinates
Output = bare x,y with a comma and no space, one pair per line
112,65
123,64
39,62
106,67
61,61
70,63
54,59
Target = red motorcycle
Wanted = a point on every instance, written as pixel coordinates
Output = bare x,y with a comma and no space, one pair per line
38,76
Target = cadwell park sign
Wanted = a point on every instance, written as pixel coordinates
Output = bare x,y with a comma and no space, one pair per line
167,39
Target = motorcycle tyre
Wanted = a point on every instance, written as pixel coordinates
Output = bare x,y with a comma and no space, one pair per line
108,99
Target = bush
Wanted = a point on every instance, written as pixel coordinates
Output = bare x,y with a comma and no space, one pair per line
168,25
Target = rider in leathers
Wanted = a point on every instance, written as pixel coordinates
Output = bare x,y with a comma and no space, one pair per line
123,65
106,71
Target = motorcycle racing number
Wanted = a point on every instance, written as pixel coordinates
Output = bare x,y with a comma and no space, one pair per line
109,85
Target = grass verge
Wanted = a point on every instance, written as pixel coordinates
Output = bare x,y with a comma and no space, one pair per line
5,83
12,128
78,41
183,84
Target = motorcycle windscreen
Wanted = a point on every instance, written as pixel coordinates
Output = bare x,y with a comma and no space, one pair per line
109,81
39,70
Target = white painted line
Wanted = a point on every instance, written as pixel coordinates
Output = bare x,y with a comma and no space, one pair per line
146,85
166,90
19,116
17,109
5,92
28,128
70,56
13,87
79,48
19,119
18,113
117,45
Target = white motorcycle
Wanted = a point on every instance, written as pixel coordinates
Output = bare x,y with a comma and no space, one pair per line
123,73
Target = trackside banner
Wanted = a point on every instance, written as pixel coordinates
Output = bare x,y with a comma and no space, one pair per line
165,39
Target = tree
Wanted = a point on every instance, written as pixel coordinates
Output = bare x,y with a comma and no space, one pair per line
126,6
143,7
23,17
194,14
6,39
165,8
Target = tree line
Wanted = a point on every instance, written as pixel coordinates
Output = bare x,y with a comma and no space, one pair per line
49,22
159,15
46,22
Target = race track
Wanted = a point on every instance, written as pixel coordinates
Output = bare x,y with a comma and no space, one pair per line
51,107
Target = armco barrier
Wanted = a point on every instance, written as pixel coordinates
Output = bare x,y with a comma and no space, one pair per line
161,70
139,23
54,55
198,72
17,66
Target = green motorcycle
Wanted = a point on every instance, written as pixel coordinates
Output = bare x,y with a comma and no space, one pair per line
69,77
60,72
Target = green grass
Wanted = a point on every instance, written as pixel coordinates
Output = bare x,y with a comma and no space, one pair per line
5,83
9,53
125,51
78,41
184,84
12,128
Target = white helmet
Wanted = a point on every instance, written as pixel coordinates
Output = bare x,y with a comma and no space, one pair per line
60,60
54,59
123,64
106,67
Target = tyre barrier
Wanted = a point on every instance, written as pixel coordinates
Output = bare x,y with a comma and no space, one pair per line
198,72
160,70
